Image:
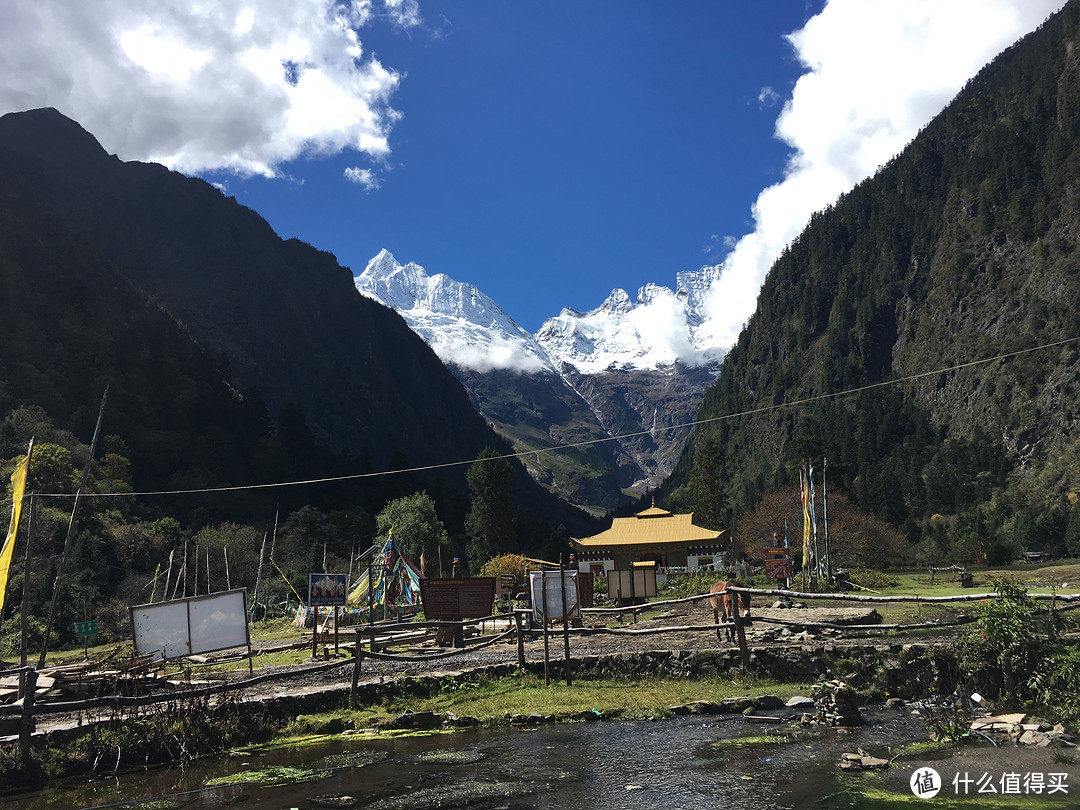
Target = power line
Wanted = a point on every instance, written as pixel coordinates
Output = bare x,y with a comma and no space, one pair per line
574,445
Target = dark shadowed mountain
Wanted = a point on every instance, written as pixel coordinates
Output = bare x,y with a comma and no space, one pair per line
964,248
275,319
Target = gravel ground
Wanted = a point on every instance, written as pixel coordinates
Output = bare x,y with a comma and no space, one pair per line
599,644
317,675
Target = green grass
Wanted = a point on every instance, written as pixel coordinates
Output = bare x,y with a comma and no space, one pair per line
491,699
1042,578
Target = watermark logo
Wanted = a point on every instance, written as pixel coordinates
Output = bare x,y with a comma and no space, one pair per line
925,783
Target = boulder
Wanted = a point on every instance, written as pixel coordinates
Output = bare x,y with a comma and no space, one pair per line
861,762
1031,737
417,720
767,702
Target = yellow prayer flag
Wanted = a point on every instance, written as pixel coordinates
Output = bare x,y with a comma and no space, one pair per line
18,488
804,494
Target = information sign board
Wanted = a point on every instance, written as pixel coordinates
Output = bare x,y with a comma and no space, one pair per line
778,569
197,624
83,629
454,599
552,594
632,583
327,590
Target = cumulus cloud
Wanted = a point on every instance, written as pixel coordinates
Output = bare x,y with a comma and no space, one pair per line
484,353
240,85
363,177
875,74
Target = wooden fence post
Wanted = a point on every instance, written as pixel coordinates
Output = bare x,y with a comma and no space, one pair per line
28,682
565,621
739,634
544,609
518,625
358,663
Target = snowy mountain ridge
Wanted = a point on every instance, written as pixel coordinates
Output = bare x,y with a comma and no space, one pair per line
629,370
465,327
461,324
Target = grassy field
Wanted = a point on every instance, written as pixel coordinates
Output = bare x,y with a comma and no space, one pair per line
491,699
1062,577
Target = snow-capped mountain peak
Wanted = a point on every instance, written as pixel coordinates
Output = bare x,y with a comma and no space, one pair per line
465,327
655,331
627,362
461,324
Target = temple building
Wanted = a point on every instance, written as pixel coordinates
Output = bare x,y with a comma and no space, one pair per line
653,537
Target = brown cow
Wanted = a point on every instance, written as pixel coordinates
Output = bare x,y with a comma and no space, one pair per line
722,601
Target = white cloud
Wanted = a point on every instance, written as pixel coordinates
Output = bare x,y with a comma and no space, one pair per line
768,97
876,73
483,353
363,177
240,85
405,13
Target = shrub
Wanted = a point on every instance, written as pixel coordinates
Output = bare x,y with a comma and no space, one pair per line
872,578
1009,641
1057,683
681,586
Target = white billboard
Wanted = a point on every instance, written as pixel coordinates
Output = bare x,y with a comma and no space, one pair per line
190,626
550,594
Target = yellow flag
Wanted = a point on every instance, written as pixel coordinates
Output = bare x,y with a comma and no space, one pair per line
18,487
804,494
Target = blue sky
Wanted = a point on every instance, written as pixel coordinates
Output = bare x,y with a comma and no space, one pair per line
549,157
545,152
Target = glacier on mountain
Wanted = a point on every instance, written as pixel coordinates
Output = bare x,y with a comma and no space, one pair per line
461,324
656,331
466,328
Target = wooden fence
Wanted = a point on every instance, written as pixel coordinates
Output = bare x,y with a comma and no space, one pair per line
377,638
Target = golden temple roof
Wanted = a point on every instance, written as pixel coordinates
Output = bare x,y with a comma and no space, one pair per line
648,528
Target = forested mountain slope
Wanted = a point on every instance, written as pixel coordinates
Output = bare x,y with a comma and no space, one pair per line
99,246
963,248
283,314
73,326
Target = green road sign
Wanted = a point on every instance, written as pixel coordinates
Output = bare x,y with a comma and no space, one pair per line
83,629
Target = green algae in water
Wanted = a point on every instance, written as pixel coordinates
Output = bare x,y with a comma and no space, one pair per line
450,757
870,797
459,794
760,739
299,741
350,759
271,777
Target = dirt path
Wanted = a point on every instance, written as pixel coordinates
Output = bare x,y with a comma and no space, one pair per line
321,675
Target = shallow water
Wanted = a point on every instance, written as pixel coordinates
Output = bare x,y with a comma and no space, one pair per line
680,763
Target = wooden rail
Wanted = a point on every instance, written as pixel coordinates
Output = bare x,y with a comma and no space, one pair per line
403,631
972,597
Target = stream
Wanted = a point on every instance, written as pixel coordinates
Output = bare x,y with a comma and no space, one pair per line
686,762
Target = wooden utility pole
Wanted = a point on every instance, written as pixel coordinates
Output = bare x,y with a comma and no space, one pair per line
71,531
24,627
258,575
